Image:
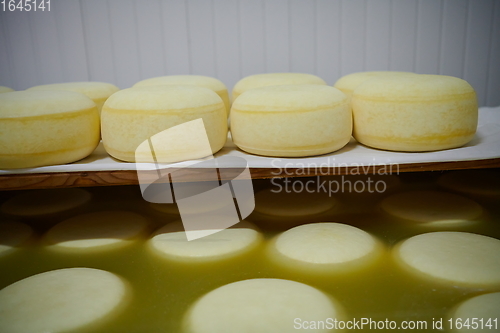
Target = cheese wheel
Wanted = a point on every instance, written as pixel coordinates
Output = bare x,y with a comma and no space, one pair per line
132,116
291,120
432,208
45,128
274,79
414,112
99,92
454,258
477,314
39,203
483,183
62,300
348,83
170,242
97,231
13,235
261,305
4,89
325,248
191,80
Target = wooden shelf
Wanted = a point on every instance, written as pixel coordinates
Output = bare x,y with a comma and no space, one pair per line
129,177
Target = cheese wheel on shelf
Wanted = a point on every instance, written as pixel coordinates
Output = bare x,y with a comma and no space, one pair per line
99,92
414,112
477,314
261,305
274,79
97,231
190,80
13,235
62,300
453,258
4,89
291,120
325,248
40,128
132,117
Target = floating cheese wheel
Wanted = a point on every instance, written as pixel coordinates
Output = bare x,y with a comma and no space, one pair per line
477,314
475,182
170,242
97,231
261,305
454,258
348,83
62,300
99,92
191,80
46,127
132,116
41,203
4,89
325,248
291,120
13,235
274,79
414,112
432,208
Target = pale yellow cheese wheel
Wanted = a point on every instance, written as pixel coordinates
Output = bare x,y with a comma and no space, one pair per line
191,80
62,300
414,112
39,203
131,116
477,314
433,208
261,305
170,242
291,120
274,79
453,258
4,89
13,235
325,248
40,128
349,82
99,92
98,231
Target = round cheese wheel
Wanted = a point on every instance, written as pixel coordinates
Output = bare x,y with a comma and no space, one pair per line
454,258
45,202
477,314
46,127
432,208
325,248
475,182
99,92
291,120
13,235
132,116
191,80
261,305
4,89
61,300
414,112
274,79
349,82
97,231
170,242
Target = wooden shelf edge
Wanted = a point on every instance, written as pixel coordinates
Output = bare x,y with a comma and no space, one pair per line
129,177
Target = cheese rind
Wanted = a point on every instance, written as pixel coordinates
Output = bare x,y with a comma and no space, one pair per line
45,128
414,112
476,312
291,120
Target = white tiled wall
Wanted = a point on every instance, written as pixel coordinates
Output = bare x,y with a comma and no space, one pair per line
124,41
